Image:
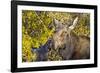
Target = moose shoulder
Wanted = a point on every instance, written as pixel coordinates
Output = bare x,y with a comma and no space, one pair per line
81,47
70,45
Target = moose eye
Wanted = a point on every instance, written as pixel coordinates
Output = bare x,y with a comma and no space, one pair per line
65,32
67,35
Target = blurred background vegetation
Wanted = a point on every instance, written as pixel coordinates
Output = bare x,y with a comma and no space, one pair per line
37,28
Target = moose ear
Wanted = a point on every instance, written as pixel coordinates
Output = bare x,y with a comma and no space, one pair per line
57,24
74,23
56,21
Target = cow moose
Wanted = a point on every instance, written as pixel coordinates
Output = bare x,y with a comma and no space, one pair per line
70,45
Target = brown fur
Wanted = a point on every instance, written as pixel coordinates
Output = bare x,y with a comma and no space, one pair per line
82,48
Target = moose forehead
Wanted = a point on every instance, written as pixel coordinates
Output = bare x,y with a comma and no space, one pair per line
60,29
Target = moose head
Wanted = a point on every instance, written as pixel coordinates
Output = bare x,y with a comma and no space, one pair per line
62,33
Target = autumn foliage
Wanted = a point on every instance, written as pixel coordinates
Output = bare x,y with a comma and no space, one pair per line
37,28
